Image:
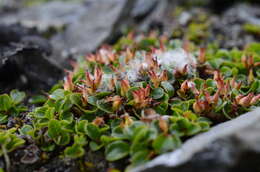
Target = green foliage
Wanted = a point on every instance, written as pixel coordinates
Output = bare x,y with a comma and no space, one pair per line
77,149
9,141
11,105
251,28
117,150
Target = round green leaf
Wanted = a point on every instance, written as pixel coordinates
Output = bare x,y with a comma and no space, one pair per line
163,144
58,94
17,96
168,88
117,150
93,131
5,102
157,93
74,151
37,99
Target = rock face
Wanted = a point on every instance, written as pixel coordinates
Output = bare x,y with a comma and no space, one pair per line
233,20
74,27
229,147
98,23
142,8
24,62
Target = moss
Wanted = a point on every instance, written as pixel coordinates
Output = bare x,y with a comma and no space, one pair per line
252,29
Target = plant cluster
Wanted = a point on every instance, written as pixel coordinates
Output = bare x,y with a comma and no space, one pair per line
139,99
11,105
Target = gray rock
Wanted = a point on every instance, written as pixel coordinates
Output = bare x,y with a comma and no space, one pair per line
243,13
98,24
10,4
227,147
53,14
230,25
144,7
80,27
184,18
157,16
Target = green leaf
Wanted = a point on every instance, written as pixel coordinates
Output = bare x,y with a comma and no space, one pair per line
49,113
48,147
75,98
40,112
39,99
80,140
211,83
5,102
254,86
9,140
74,151
94,146
193,129
66,104
198,83
102,94
140,157
118,133
58,94
164,144
26,130
106,107
17,96
226,71
168,88
92,100
62,139
3,118
93,131
107,139
67,115
81,126
116,150
140,139
157,93
204,126
54,128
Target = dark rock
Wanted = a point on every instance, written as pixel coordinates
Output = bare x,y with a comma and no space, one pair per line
228,147
143,8
156,18
12,33
60,165
23,61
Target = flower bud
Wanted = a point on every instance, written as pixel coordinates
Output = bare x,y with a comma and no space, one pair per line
163,125
68,83
245,100
98,121
125,86
255,99
251,76
116,102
